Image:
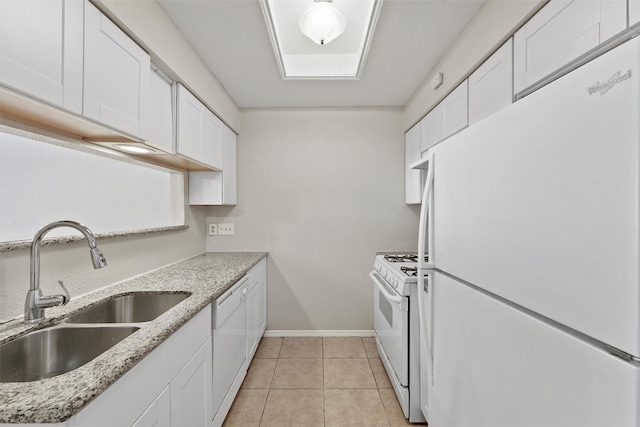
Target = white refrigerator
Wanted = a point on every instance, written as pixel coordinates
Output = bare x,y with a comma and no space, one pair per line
531,316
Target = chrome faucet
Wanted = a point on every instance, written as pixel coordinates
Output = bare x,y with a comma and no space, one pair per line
36,303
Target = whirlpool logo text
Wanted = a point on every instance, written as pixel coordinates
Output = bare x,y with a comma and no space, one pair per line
606,86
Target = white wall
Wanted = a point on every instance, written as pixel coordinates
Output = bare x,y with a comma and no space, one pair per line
322,191
126,257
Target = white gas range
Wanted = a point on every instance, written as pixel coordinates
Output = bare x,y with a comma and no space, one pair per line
396,324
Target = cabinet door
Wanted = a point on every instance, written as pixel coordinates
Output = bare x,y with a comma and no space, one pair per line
560,32
229,167
412,177
217,188
41,50
252,323
116,75
261,304
158,414
256,307
431,128
455,110
634,12
199,132
212,140
191,390
159,122
491,85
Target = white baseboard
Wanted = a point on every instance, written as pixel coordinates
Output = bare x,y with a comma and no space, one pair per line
316,333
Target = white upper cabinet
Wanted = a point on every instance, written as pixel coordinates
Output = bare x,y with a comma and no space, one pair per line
431,128
634,12
116,75
455,110
562,31
159,122
412,177
447,118
229,167
199,131
217,188
491,85
41,50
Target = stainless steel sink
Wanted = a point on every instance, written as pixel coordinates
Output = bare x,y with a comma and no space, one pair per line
54,351
130,308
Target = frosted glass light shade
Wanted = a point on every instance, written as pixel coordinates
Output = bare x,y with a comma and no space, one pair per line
322,22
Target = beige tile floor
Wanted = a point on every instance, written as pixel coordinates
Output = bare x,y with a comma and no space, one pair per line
310,381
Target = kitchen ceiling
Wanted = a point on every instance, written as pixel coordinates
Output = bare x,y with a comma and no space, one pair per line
232,39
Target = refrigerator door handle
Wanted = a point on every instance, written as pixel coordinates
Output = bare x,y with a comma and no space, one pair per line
424,211
425,343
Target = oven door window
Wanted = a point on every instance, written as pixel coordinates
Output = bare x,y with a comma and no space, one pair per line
392,331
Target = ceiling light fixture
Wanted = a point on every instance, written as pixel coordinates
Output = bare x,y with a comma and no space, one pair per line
322,22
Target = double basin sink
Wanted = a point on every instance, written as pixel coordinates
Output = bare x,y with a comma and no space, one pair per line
81,337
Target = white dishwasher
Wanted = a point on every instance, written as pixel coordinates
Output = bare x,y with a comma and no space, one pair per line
229,324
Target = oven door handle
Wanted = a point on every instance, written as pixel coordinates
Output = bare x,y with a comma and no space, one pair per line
395,299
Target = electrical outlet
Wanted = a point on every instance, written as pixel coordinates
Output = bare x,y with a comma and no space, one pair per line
226,229
213,229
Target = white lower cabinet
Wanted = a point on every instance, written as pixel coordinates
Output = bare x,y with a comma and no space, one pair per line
170,386
158,414
191,403
256,307
186,401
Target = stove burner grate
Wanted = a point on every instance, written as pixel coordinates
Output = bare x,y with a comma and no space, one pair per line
410,271
404,258
401,258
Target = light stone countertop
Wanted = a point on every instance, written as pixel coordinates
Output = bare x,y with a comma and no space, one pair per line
57,399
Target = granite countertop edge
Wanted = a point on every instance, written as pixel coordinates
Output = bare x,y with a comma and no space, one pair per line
57,399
